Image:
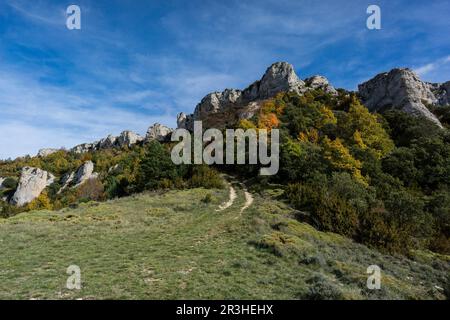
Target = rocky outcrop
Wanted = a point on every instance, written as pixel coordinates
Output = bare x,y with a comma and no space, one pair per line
320,82
128,138
217,101
106,143
185,121
279,77
85,147
84,173
66,180
1,182
442,92
31,184
399,89
46,152
158,132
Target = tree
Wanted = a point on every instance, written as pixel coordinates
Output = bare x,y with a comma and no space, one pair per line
361,128
155,167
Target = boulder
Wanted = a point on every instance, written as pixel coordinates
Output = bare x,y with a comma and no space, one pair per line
31,184
158,132
399,89
1,182
46,152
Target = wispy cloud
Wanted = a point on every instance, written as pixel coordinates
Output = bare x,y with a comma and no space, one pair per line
138,62
441,66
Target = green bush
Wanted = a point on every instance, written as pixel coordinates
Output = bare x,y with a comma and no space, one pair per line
203,176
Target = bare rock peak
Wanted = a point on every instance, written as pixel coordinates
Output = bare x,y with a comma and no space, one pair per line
402,89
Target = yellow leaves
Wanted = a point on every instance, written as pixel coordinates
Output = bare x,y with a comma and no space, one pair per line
41,202
359,140
340,158
312,135
327,117
362,128
268,121
246,124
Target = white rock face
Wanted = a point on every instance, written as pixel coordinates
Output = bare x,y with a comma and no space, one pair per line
249,111
84,173
85,147
158,132
279,77
46,152
320,82
1,182
218,101
107,143
128,138
399,89
31,184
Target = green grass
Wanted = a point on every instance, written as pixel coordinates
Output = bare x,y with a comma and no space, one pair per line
175,246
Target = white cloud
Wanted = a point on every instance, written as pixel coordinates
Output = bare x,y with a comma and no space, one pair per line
34,116
437,70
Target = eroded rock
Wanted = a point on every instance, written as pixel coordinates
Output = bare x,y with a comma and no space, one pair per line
31,184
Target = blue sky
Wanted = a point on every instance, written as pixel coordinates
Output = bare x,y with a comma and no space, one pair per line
137,62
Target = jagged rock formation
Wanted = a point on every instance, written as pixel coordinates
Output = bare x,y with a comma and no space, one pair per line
77,178
31,184
128,138
84,173
185,121
442,92
66,180
279,77
320,82
399,89
46,152
84,147
158,132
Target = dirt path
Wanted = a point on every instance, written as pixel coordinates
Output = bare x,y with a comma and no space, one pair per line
233,196
248,198
230,202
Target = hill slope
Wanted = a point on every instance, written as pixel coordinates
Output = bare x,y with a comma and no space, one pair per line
175,245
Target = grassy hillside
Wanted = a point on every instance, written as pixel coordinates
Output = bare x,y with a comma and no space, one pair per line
175,245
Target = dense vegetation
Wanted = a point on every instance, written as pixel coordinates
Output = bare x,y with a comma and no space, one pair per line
383,180
122,172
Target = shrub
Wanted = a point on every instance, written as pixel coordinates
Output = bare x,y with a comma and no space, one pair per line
321,288
91,190
205,177
155,166
328,211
